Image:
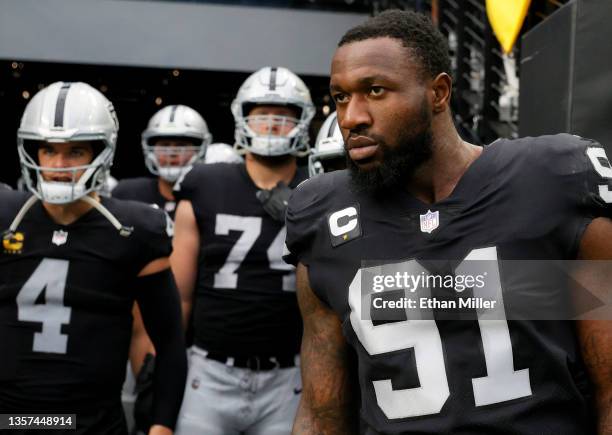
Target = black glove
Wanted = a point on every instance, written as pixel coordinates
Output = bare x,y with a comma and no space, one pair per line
143,407
275,201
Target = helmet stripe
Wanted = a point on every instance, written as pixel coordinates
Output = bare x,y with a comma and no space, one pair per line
273,78
60,105
173,113
332,127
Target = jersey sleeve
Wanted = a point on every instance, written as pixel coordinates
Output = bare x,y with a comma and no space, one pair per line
155,233
582,177
302,220
598,174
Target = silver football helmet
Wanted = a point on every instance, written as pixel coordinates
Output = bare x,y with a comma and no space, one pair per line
275,86
67,112
329,145
180,122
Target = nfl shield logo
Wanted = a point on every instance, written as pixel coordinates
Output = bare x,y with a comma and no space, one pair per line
59,237
430,221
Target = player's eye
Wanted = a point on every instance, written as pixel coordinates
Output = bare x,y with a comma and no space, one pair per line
340,98
376,91
46,150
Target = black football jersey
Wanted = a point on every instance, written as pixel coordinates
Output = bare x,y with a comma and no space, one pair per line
143,189
522,205
66,297
245,300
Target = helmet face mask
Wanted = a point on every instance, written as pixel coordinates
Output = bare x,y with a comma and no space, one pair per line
66,113
272,134
180,124
159,160
329,148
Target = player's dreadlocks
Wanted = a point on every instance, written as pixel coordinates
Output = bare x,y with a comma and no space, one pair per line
416,33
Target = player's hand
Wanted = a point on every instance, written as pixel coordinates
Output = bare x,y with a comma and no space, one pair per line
275,201
160,430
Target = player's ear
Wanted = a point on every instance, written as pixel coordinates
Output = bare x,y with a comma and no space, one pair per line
442,87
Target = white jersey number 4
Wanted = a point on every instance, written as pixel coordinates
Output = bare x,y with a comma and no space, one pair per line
50,278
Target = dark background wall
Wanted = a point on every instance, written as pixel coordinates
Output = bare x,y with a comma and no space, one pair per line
566,73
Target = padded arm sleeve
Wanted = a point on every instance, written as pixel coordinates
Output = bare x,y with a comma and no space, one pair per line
159,303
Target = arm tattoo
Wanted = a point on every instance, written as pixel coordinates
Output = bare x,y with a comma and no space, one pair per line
327,406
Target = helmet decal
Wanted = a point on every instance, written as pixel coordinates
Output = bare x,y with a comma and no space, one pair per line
60,105
273,78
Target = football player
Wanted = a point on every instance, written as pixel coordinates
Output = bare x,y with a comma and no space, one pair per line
71,266
229,238
415,193
175,138
328,153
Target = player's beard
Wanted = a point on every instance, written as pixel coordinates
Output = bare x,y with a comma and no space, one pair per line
414,147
